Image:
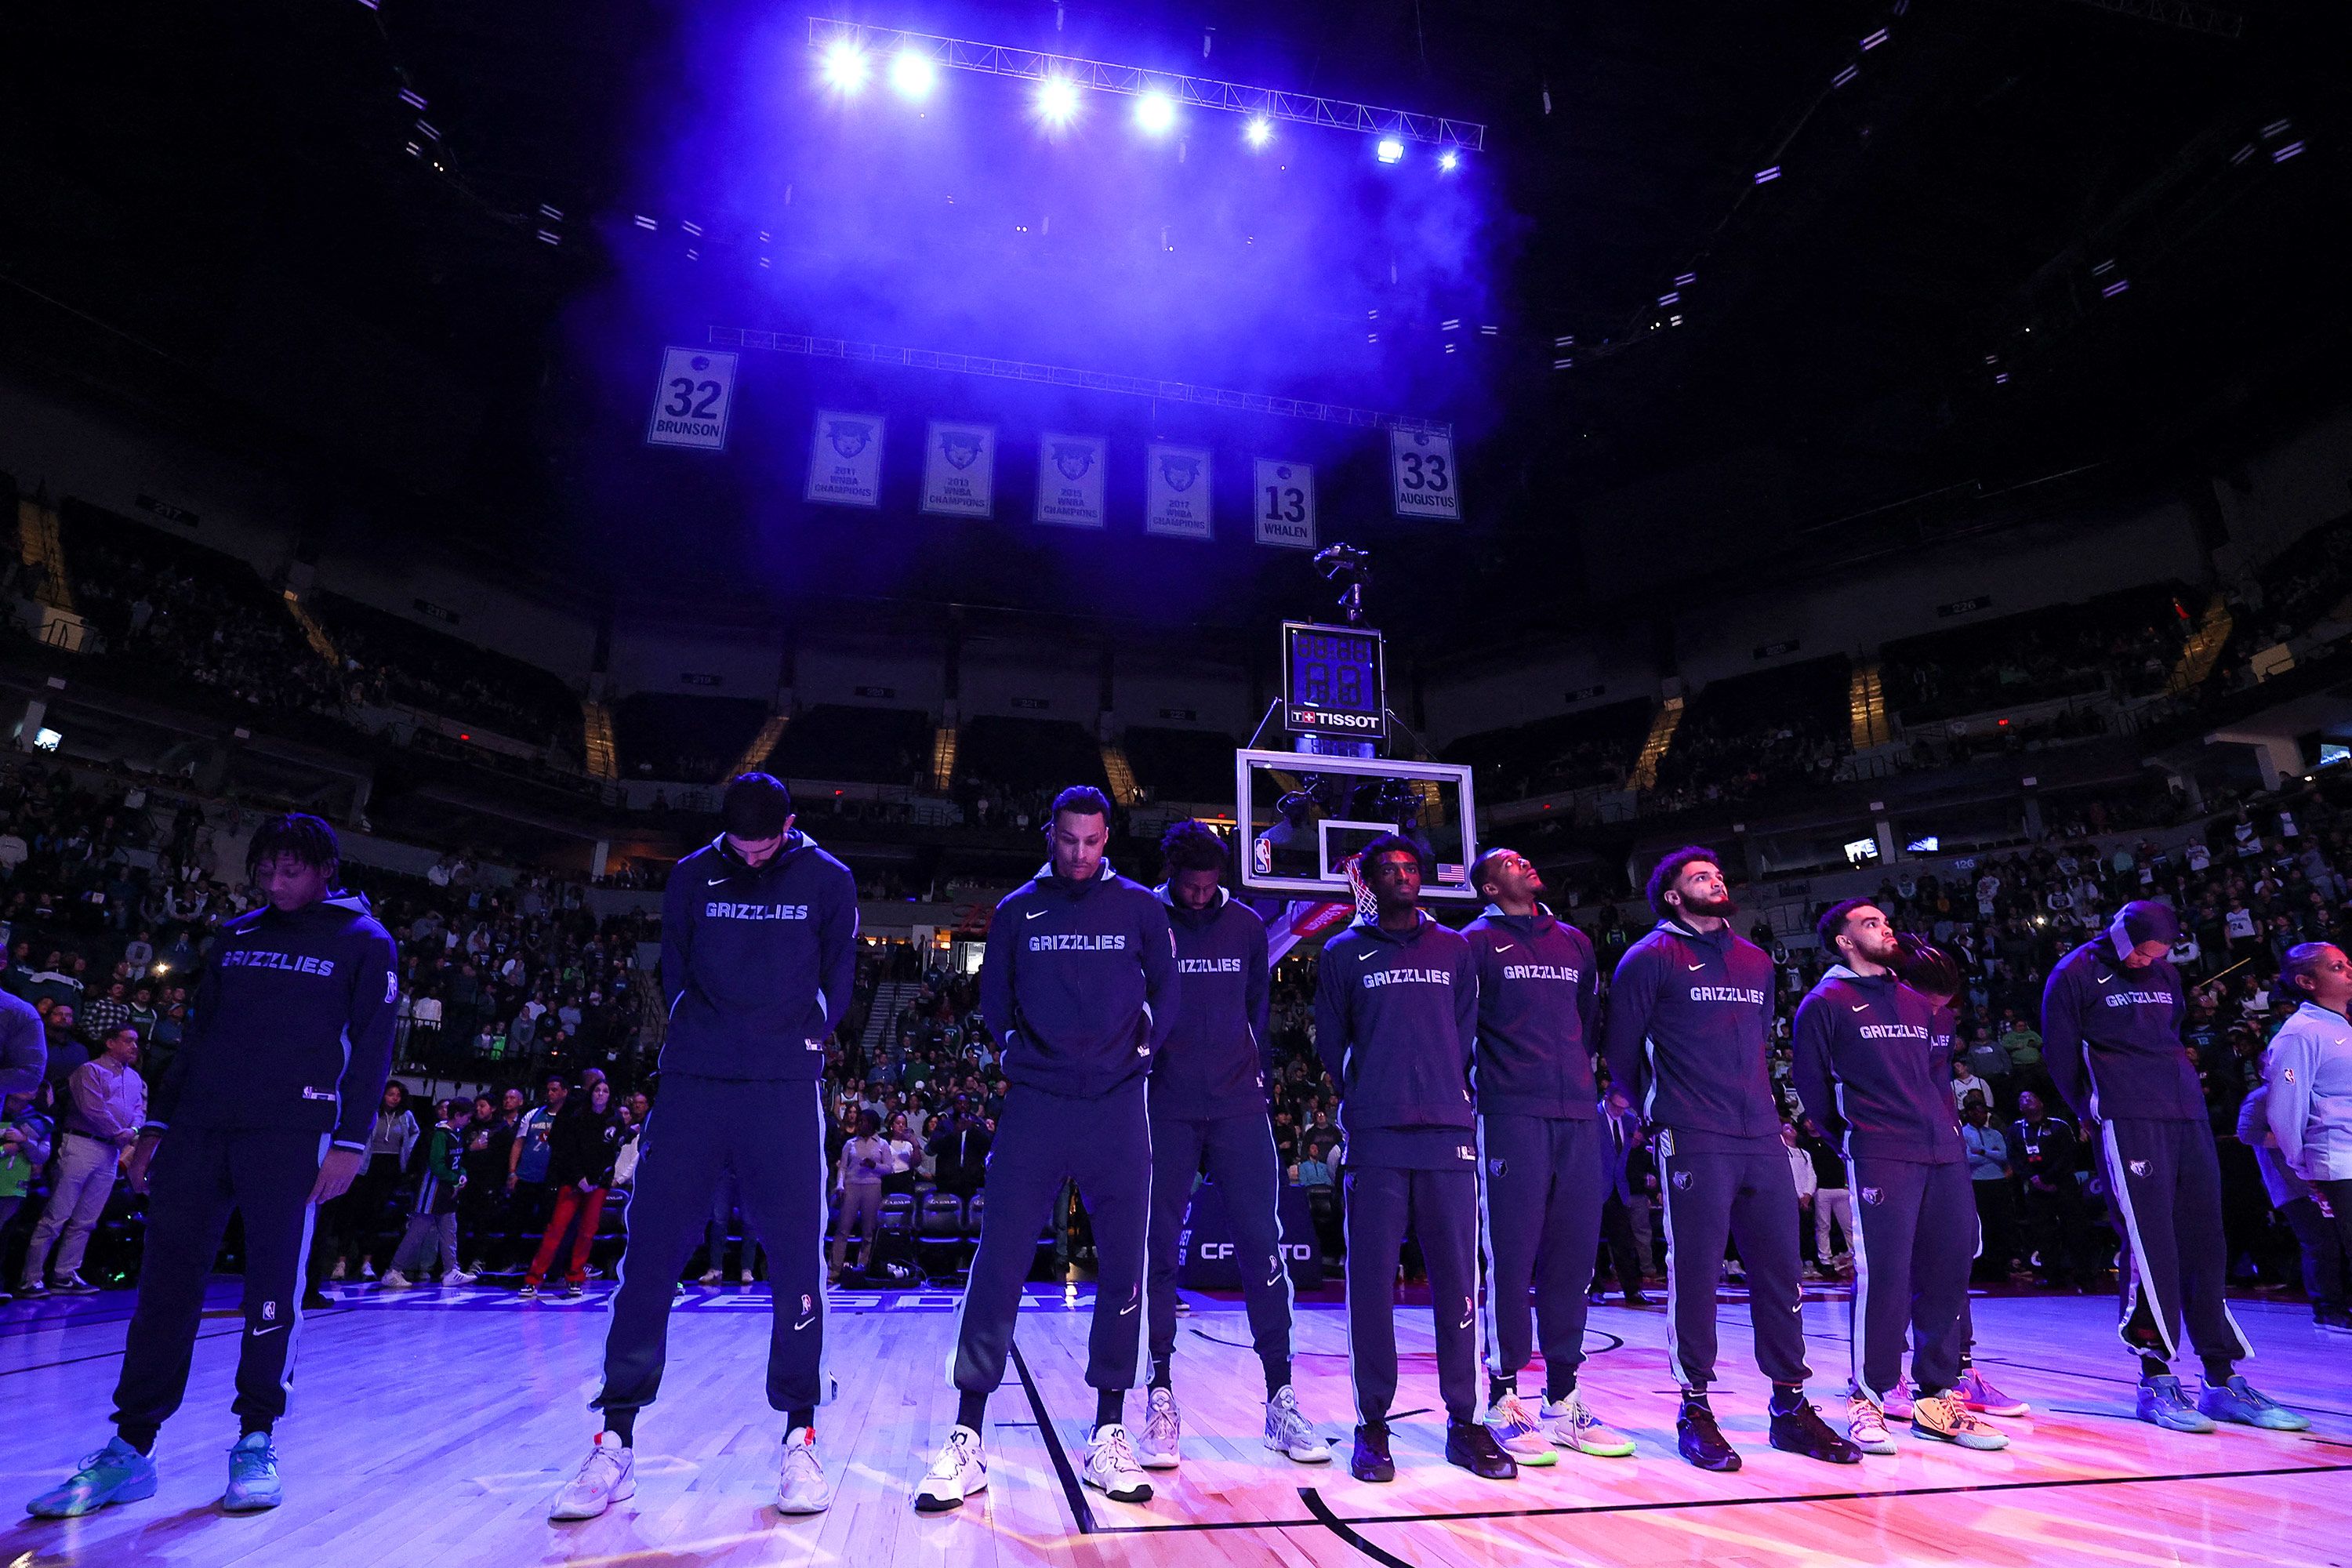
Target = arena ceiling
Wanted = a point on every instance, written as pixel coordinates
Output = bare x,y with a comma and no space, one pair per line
1903,226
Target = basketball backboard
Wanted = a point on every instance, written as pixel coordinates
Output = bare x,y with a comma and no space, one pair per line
1301,818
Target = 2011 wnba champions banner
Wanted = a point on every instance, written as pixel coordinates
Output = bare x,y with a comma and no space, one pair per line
845,459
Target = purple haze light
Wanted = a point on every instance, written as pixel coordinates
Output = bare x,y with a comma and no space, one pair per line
845,67
1155,112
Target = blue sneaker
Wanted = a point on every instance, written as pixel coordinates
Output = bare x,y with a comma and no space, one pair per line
252,1475
2237,1401
2161,1401
116,1473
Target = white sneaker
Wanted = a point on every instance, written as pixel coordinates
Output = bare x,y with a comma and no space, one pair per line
1899,1405
609,1475
367,1270
335,1275
1866,1426
1517,1426
393,1279
961,1470
1111,1468
1163,1433
457,1277
711,1277
1288,1432
802,1488
747,1277
1568,1423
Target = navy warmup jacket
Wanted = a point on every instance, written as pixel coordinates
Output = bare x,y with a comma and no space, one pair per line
291,1026
759,962
1396,1022
1538,992
1215,1061
1080,981
2111,1037
1690,1031
1873,1067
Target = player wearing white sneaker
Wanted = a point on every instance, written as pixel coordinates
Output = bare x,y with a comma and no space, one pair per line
802,1488
1517,1425
607,1475
961,1470
1111,1467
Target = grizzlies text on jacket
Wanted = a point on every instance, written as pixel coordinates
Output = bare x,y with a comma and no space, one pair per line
1080,981
758,961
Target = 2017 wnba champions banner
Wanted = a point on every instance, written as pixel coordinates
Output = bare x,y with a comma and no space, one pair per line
1176,492
845,459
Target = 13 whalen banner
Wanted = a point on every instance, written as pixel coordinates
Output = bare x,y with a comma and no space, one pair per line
1070,479
845,459
1284,502
960,469
1176,491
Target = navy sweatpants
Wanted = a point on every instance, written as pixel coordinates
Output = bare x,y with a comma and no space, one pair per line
199,1175
1441,1209
1541,1183
770,1134
1242,1161
2167,1186
1740,1190
1041,1141
1916,1229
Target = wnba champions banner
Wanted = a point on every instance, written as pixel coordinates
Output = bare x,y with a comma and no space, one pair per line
1176,492
845,459
1070,479
960,469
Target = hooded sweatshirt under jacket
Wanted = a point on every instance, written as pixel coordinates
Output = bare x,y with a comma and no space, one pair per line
1874,1067
1080,981
1396,1022
2111,1037
1215,1061
291,1025
1690,1032
759,962
1538,997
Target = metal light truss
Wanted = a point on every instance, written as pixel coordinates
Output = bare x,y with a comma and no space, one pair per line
2183,14
1133,81
1062,375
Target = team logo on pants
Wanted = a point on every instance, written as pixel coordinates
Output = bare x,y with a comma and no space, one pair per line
1681,1180
1873,1194
1494,1167
2139,1167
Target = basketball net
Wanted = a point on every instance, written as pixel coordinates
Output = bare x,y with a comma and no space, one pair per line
1368,908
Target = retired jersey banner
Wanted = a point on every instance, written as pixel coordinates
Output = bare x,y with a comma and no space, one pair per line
845,459
1176,492
1284,501
1421,473
960,469
1070,479
691,399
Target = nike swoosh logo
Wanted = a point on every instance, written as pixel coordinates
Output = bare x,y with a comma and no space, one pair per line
1366,957
1694,966
1505,946
257,1334
805,1322
2105,978
1033,914
1862,1007
1129,1309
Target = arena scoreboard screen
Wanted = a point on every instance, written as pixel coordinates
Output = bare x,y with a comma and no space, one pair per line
1334,682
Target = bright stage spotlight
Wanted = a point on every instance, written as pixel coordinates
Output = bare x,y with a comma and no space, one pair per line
1155,112
1259,131
1057,101
845,67
1390,150
913,74
1449,160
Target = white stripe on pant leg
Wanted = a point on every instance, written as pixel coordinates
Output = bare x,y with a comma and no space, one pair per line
2134,1251
1674,1315
1857,1339
1281,1257
1143,1271
301,1277
1347,1295
824,1386
1489,1321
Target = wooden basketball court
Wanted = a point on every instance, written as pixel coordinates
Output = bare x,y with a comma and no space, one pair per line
432,1427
